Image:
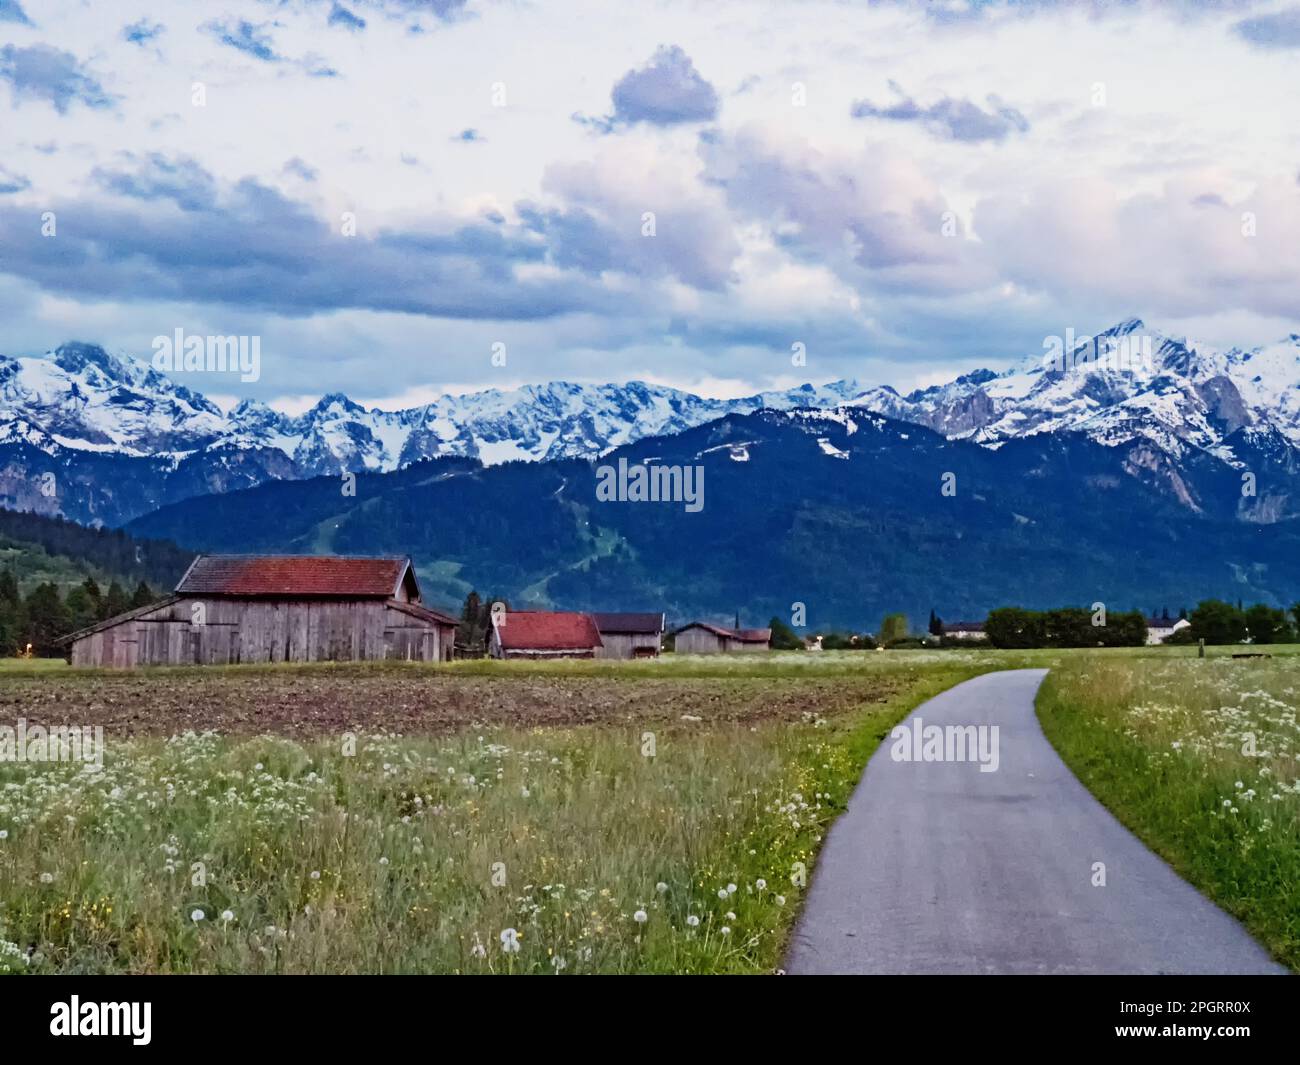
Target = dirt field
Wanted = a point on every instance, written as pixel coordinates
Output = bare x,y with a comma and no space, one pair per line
305,702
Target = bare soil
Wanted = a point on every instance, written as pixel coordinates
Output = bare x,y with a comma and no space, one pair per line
304,702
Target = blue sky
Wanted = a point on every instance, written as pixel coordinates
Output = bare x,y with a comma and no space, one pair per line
907,191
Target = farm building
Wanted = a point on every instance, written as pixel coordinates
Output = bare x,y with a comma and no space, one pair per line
629,635
276,608
1160,629
543,634
701,638
964,630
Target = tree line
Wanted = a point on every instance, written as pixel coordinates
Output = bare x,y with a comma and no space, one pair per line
1213,620
39,620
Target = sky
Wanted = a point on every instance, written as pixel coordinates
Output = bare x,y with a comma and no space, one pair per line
404,198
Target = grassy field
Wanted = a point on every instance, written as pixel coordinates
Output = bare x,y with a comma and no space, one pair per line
618,817
1201,759
656,820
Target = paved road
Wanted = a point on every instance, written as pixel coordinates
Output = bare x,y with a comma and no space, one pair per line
937,867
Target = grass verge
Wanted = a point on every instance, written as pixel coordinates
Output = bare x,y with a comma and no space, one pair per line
1200,759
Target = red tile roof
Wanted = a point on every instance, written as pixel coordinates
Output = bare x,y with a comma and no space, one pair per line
295,575
547,630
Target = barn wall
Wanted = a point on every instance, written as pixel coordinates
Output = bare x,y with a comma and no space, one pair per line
697,642
199,630
745,648
624,644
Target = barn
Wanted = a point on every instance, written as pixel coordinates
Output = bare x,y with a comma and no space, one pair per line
276,608
543,634
629,635
701,638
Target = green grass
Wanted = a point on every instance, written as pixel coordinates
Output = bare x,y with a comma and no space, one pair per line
1165,746
382,860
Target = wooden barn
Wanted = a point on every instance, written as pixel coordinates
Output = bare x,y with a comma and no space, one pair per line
276,608
701,638
543,634
629,635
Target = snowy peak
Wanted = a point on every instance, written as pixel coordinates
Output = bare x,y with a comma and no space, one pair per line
1166,399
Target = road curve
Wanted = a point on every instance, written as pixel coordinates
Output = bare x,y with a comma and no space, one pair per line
937,867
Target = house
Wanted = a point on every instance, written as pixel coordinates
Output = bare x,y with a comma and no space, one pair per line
543,634
1160,629
276,608
964,630
629,635
701,638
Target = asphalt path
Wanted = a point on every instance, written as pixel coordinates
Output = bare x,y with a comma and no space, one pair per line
940,867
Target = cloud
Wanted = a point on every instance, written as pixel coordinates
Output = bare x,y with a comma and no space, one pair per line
341,16
1281,29
299,168
247,37
667,91
44,73
183,182
873,218
600,224
250,246
958,120
12,11
142,32
11,182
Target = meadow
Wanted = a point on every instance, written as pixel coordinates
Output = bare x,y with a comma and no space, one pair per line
568,817
677,835
1201,760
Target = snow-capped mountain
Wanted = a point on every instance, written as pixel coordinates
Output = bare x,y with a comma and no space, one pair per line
88,417
1127,383
81,397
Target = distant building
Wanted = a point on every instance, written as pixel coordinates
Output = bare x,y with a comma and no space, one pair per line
701,638
964,630
276,608
812,643
629,635
543,634
1160,629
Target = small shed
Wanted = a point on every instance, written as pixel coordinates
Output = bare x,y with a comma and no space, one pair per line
964,630
543,634
276,608
629,635
701,638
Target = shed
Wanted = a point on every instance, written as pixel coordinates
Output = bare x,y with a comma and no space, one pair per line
701,638
629,635
543,634
276,608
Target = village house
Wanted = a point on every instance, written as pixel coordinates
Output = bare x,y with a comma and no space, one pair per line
543,634
964,630
1160,629
629,635
701,638
276,608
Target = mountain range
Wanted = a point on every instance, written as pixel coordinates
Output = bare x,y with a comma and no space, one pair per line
846,511
103,438
1130,464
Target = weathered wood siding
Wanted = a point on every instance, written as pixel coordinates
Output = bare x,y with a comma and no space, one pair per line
698,642
201,631
626,644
